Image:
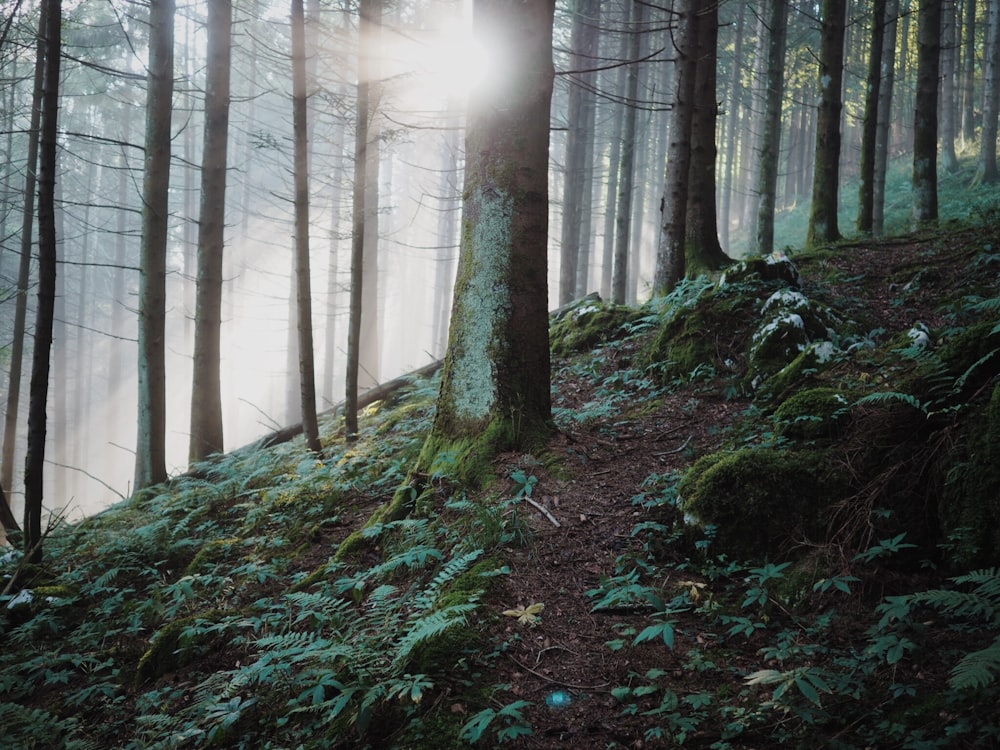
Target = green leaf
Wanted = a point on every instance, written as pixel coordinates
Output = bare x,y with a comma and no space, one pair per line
663,630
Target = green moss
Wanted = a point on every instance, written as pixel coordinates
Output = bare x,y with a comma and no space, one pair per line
170,650
762,502
210,554
776,269
813,414
816,358
588,324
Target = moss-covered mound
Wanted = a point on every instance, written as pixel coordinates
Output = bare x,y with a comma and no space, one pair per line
588,323
762,502
813,414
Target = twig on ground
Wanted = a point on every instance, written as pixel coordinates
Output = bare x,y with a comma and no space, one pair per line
544,511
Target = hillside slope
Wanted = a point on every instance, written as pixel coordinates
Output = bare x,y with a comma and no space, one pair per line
769,517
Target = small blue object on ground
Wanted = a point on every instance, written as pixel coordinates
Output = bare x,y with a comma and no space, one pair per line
558,699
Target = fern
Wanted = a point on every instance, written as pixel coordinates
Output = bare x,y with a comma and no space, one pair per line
427,627
883,398
427,598
980,605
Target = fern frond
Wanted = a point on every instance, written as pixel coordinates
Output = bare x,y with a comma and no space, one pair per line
977,669
453,569
429,626
887,397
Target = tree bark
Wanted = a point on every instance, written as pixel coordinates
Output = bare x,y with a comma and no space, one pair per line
826,181
949,74
24,268
986,169
38,395
882,130
703,251
925,122
495,388
150,457
300,126
360,216
206,385
969,72
771,138
670,253
626,173
866,181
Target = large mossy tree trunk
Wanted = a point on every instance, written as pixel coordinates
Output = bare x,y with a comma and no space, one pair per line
495,385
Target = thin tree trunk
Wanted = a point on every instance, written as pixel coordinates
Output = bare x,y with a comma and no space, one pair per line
771,138
883,131
618,80
367,10
949,113
986,169
925,121
307,369
734,141
626,176
670,253
38,396
826,183
866,181
150,459
206,383
24,269
969,73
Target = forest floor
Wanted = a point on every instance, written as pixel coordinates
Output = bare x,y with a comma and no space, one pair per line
563,653
217,611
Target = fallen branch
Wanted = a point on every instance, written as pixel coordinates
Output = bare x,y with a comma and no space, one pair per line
544,511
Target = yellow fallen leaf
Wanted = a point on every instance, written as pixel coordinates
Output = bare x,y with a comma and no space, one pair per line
528,615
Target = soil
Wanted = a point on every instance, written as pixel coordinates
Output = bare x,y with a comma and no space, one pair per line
591,515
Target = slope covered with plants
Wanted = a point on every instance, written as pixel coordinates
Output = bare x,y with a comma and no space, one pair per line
769,517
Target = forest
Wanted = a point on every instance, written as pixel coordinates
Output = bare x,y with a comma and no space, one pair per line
434,374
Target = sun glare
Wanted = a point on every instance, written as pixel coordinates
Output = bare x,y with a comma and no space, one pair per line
444,63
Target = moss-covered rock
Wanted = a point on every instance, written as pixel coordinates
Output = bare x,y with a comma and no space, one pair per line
770,268
587,324
790,325
813,414
713,332
762,502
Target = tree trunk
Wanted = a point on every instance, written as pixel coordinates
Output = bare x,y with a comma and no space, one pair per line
703,251
617,79
360,216
206,385
300,125
495,389
986,169
771,138
24,269
882,131
866,181
826,181
733,137
150,457
969,72
925,124
626,174
670,259
38,395
949,73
